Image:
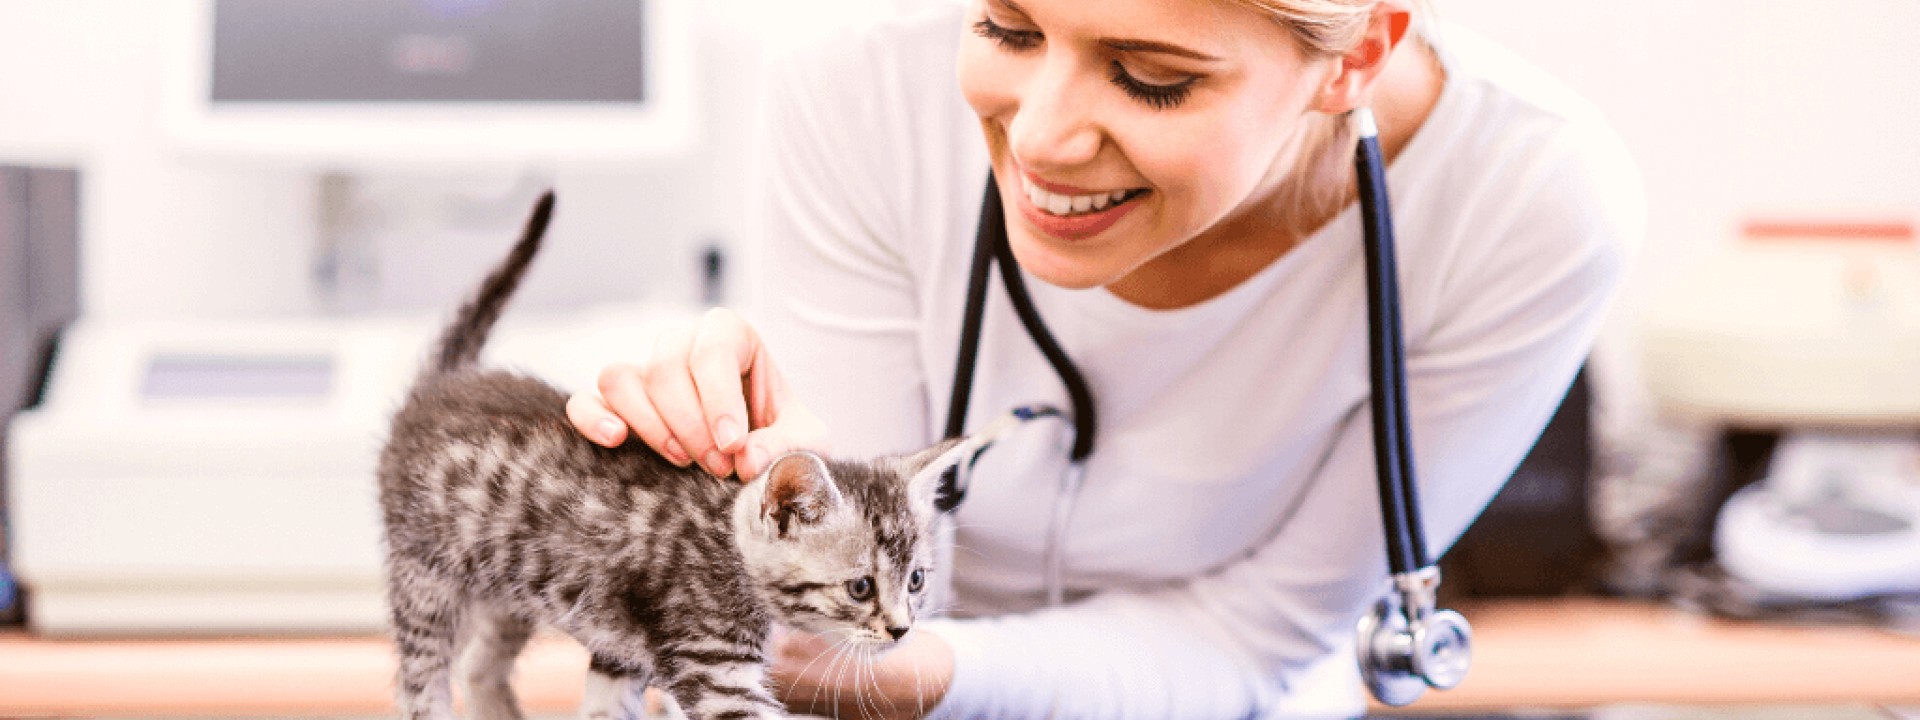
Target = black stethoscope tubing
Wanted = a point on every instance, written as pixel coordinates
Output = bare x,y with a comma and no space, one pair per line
1387,368
1406,644
990,244
1392,442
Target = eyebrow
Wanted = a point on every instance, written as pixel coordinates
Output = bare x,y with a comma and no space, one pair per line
1156,47
1152,46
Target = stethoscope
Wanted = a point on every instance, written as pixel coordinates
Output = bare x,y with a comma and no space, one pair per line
1405,643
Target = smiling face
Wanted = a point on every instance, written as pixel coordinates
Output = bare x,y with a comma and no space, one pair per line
1126,129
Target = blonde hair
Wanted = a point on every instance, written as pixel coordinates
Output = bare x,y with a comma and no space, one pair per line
1323,27
1321,181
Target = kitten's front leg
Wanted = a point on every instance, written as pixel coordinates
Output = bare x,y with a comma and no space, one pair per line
614,691
726,684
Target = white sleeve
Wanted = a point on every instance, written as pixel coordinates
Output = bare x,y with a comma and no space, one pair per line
837,305
1515,326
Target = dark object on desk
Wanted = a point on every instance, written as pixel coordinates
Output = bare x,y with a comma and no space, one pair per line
1537,536
39,275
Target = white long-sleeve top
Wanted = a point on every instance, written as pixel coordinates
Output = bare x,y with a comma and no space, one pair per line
1228,536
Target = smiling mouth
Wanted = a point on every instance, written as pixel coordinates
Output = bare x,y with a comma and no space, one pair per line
1060,205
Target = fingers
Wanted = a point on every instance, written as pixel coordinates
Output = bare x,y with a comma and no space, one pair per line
623,395
797,429
721,361
668,387
591,416
708,394
752,414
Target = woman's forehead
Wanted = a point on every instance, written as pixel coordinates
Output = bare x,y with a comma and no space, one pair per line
1218,28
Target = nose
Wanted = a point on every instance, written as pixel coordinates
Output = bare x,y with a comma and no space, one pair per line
897,632
1053,126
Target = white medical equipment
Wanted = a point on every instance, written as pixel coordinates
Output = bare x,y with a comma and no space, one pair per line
191,475
1813,329
1838,518
397,84
218,477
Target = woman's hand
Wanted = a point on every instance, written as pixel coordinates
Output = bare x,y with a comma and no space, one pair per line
707,394
819,675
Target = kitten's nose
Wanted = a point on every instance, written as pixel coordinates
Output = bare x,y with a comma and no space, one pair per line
897,632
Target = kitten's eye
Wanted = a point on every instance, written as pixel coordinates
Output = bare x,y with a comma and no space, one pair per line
916,580
861,590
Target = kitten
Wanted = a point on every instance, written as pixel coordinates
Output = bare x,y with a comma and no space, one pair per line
499,516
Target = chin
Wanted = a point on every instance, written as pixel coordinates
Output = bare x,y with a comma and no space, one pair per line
1073,271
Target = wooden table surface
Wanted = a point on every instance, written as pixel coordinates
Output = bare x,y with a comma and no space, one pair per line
1562,653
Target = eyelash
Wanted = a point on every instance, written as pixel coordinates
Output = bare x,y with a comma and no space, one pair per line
1158,97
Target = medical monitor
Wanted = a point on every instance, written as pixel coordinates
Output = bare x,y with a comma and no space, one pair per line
411,83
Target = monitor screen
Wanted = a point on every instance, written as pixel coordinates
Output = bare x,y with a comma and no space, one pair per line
411,51
404,84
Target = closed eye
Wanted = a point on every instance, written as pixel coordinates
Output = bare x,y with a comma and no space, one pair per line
1154,95
1006,37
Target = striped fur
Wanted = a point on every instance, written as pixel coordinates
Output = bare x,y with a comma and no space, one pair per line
499,518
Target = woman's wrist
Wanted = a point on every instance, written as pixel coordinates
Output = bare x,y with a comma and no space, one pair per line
821,676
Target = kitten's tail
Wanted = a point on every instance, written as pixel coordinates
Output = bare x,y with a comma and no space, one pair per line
460,343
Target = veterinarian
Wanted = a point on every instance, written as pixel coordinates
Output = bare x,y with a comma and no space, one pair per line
1178,186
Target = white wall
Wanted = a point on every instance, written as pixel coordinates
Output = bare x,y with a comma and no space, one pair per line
1732,107
81,83
1736,108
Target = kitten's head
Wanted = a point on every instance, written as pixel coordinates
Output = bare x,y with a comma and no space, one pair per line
844,547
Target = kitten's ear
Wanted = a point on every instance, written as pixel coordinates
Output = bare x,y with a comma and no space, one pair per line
799,490
924,469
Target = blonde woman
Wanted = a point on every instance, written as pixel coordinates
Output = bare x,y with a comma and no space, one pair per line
1178,184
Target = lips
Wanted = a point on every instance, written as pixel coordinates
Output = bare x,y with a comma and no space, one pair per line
1070,213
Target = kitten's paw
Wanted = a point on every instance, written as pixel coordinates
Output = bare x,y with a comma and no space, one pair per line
609,697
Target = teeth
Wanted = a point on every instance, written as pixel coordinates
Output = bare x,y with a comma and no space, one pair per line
1058,204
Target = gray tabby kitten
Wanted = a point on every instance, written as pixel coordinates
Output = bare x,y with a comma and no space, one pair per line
500,516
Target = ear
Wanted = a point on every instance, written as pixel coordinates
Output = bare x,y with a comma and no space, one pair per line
1356,71
799,491
924,470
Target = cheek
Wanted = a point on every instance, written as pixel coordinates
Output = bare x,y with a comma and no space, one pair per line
1206,166
986,79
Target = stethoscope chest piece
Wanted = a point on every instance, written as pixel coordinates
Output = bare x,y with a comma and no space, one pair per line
1406,646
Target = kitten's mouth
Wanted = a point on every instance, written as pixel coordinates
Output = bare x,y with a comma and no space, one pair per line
877,639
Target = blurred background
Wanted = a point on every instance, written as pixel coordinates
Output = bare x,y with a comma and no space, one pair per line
197,267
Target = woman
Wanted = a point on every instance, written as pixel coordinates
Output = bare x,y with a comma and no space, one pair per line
1177,175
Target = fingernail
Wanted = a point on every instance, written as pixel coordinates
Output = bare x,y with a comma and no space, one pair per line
610,430
757,456
726,432
676,453
716,463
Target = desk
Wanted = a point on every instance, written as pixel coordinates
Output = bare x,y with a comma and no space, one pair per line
1561,653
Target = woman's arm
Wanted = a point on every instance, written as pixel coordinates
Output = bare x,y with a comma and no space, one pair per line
1261,635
